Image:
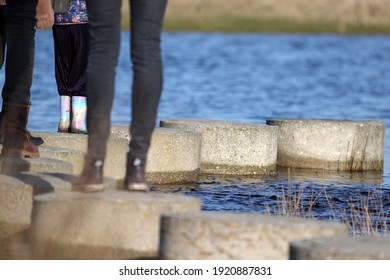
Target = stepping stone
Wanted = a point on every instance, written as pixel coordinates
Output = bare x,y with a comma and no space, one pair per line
330,144
232,147
55,182
334,177
14,165
72,156
17,191
15,205
108,225
218,235
117,149
16,247
174,155
341,248
64,140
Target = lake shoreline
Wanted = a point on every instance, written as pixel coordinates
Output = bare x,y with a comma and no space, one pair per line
292,16
274,25
260,25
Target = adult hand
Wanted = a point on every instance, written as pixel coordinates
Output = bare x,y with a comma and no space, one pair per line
2,2
45,14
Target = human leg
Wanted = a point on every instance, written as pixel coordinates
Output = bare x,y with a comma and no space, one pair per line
65,108
104,27
62,60
146,27
20,17
79,114
70,51
77,77
3,39
3,35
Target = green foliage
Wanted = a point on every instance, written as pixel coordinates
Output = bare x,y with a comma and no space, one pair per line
271,25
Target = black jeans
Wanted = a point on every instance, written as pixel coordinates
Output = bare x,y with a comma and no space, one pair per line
105,29
19,63
3,35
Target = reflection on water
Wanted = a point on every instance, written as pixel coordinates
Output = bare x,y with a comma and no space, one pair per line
251,78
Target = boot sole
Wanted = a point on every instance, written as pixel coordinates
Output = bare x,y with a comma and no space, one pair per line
88,188
18,153
138,187
31,155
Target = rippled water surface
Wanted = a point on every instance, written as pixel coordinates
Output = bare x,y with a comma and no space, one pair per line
251,78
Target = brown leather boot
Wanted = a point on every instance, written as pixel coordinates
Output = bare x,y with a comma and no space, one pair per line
37,141
91,178
135,179
16,141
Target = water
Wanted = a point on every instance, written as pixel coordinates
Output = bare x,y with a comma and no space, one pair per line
251,78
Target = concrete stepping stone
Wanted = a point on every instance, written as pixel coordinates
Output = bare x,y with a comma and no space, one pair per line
341,248
219,235
55,182
63,140
15,205
117,149
13,165
16,247
305,177
72,156
174,155
109,225
330,144
17,191
232,147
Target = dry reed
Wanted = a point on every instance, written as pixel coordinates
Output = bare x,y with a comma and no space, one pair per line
364,216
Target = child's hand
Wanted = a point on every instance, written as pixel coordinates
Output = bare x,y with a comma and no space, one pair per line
2,2
45,14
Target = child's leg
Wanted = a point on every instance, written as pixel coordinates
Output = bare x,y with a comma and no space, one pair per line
79,114
63,56
65,103
77,77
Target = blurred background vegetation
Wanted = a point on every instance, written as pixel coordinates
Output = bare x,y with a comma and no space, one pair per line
303,16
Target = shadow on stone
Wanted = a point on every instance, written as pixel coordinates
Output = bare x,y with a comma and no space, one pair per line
11,165
39,184
65,177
